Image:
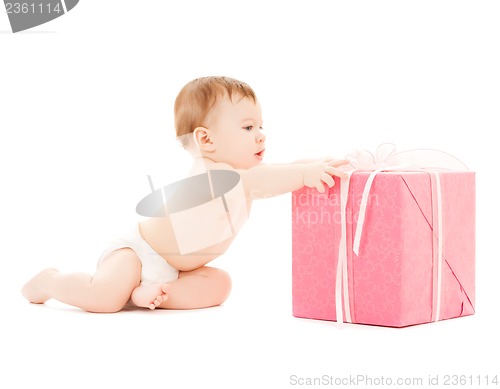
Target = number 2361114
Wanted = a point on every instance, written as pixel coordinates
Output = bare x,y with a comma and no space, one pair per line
25,8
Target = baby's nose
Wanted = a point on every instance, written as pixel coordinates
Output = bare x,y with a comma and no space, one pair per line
260,138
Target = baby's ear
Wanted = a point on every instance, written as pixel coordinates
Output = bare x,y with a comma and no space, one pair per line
203,140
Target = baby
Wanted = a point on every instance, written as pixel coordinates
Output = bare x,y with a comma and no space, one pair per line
219,121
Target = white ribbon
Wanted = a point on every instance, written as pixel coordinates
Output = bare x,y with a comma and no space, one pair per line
436,311
386,159
342,281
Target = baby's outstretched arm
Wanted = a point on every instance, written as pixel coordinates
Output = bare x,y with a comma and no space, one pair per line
270,180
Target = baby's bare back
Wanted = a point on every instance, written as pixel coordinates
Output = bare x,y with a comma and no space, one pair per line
193,221
163,236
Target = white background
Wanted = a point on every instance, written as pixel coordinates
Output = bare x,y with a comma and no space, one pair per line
86,112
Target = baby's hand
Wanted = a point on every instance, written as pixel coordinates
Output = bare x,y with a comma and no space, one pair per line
319,173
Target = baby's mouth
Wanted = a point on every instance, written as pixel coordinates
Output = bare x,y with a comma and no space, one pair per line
260,154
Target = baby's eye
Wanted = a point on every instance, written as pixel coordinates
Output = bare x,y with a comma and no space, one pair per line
248,128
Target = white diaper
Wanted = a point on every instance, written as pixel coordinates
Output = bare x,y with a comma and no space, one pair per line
154,267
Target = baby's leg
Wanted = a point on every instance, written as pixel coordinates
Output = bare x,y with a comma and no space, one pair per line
107,291
200,288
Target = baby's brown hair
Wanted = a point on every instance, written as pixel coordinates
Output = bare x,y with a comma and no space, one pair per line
199,96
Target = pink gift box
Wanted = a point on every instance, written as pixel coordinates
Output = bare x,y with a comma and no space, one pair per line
395,280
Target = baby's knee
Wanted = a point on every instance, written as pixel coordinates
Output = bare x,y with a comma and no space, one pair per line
224,279
222,283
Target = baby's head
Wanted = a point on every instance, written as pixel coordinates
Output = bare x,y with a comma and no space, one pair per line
220,118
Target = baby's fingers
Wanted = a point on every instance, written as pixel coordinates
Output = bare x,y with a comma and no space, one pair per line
335,172
327,179
320,187
338,162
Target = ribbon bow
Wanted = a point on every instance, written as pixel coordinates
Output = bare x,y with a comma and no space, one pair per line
387,157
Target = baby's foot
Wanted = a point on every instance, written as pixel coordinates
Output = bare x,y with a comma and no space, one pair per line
34,290
150,295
